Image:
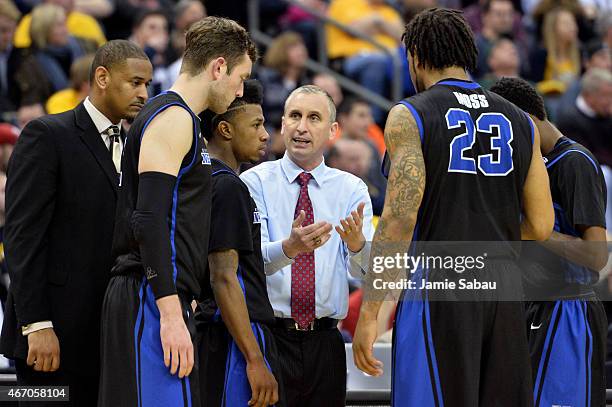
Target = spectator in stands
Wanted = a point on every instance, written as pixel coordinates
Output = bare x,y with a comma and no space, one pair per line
186,12
8,138
474,14
69,98
555,64
46,67
78,24
604,28
301,21
120,23
585,24
410,8
497,22
355,123
9,57
503,61
357,157
330,85
589,120
283,71
150,33
362,60
95,8
596,54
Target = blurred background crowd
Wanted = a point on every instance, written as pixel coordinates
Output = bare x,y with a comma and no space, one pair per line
351,48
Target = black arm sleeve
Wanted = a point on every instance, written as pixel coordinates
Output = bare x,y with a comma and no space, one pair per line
152,231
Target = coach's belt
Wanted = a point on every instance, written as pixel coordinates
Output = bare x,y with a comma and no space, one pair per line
320,324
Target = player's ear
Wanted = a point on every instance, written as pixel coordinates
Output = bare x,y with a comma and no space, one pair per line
219,67
225,130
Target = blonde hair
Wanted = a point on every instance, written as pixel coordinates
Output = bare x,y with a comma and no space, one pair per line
79,71
43,19
551,43
277,55
8,9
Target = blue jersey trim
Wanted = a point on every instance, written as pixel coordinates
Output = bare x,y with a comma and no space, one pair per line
175,194
460,84
417,118
548,165
531,125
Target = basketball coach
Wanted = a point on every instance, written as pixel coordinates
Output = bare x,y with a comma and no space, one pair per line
61,195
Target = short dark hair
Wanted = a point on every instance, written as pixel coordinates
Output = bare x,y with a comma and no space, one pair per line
251,95
146,14
114,53
348,103
441,38
214,37
522,94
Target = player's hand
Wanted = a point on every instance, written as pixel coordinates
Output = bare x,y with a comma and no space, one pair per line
304,239
363,343
351,231
264,388
43,350
177,345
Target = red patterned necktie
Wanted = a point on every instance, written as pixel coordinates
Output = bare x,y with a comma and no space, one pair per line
303,267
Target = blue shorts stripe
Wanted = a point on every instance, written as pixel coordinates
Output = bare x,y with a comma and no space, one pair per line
137,335
157,387
564,372
536,387
589,357
413,351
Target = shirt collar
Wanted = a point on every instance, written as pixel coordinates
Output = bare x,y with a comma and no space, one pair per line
292,170
582,105
100,121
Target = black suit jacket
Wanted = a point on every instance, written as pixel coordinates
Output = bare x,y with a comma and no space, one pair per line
60,207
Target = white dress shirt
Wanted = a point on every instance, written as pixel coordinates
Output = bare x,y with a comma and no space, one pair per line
101,122
334,194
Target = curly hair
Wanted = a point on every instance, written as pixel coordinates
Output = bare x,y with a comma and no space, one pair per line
441,38
522,94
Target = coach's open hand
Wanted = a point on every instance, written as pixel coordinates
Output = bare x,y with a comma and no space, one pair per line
43,350
264,388
351,230
363,343
304,239
175,338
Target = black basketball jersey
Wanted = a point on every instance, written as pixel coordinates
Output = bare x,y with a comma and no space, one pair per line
578,191
236,224
189,217
477,149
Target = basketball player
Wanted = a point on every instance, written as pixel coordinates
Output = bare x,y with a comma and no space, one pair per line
237,351
567,335
162,227
463,163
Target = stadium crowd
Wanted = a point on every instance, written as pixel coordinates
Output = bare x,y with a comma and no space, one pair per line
563,47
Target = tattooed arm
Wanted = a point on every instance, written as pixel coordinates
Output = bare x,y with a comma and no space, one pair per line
405,189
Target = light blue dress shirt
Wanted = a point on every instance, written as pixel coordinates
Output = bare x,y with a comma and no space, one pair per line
334,194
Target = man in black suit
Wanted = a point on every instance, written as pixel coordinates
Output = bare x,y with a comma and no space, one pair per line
60,209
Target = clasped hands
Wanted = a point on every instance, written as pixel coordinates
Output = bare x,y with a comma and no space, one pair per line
304,239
